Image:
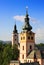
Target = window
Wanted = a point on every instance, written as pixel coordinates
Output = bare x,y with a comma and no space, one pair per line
28,60
30,33
30,47
15,35
28,37
23,47
31,38
23,56
21,38
15,39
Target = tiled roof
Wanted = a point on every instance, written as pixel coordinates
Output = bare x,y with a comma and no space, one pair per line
41,48
32,54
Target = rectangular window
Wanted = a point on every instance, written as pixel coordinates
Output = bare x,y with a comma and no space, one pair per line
28,37
30,47
31,38
23,47
21,38
23,56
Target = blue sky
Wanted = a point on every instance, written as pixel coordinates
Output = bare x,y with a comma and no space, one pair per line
11,10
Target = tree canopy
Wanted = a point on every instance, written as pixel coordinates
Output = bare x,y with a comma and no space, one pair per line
7,53
40,44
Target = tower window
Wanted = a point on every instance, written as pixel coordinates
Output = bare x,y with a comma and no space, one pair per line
30,47
23,56
28,60
15,35
28,37
15,39
23,47
21,38
31,38
30,33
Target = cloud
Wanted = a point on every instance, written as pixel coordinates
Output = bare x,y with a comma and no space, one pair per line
39,30
21,18
40,35
33,20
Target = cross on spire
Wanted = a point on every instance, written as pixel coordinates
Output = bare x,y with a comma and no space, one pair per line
26,9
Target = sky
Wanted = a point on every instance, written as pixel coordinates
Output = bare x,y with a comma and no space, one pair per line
14,11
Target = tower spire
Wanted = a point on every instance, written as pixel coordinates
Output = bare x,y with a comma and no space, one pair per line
27,25
15,28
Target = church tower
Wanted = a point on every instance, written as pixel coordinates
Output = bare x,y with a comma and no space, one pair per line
27,39
15,36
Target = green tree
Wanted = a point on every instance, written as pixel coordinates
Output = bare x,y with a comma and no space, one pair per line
40,44
1,52
15,52
7,53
